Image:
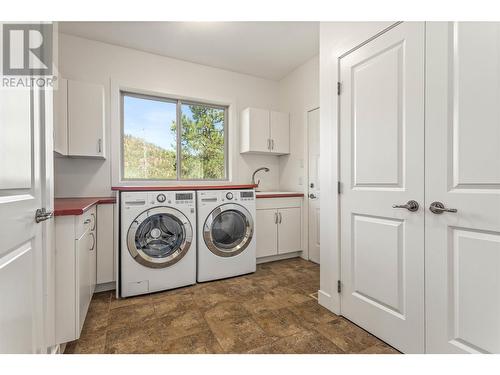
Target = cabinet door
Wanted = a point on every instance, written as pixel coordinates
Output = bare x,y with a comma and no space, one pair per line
82,278
258,130
289,230
105,244
267,234
92,261
60,98
280,132
85,119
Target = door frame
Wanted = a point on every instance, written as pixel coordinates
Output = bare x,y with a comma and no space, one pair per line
306,196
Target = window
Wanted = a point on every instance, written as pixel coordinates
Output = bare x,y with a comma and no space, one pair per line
169,139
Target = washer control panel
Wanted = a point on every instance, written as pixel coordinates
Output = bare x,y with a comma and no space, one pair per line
229,196
161,198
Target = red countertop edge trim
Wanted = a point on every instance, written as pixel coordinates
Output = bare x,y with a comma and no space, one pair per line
77,206
258,196
183,187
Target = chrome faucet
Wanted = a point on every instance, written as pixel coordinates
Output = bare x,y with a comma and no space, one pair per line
265,169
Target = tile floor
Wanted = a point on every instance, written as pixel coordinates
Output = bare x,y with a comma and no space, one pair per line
270,311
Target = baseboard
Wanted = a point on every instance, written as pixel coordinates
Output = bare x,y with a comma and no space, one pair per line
327,301
273,258
105,287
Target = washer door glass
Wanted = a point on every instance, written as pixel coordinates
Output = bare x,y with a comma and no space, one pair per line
229,229
159,237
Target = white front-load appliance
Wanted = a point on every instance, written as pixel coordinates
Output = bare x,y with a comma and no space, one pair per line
158,241
226,233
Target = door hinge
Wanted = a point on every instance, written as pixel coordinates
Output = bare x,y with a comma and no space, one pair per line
339,286
339,187
339,88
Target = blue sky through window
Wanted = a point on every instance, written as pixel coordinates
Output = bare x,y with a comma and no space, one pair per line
150,120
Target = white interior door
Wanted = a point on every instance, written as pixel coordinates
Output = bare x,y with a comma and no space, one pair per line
313,184
22,184
463,172
382,154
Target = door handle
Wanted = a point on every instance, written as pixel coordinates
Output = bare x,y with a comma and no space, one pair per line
312,196
41,215
438,208
272,144
281,218
275,218
411,205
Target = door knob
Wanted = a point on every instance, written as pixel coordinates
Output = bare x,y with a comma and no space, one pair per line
438,208
312,196
411,205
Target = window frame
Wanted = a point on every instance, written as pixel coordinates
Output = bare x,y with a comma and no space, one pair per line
178,102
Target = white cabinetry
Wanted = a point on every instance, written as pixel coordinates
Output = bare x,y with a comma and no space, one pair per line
279,226
75,272
265,132
79,119
105,244
267,233
289,230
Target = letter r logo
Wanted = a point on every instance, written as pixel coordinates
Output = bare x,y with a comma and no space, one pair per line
27,49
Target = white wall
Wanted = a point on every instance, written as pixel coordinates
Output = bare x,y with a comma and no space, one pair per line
95,62
336,38
298,94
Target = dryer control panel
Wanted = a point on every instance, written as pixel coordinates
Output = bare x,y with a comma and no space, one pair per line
225,196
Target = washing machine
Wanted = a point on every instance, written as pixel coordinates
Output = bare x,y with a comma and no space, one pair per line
226,233
158,241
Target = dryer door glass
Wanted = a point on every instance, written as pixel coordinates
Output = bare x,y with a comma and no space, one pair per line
159,237
229,229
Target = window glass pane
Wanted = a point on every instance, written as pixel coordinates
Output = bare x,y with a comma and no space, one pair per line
202,142
149,138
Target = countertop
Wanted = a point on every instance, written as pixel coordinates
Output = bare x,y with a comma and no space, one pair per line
77,206
183,187
278,194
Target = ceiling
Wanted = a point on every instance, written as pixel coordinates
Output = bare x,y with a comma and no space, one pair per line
264,49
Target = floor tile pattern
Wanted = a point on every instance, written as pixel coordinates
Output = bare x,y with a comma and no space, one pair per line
270,311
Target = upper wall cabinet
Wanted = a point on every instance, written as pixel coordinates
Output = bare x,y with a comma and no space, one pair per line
79,119
265,132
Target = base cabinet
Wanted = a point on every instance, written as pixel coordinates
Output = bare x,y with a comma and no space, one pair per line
267,233
289,230
75,272
279,226
105,244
